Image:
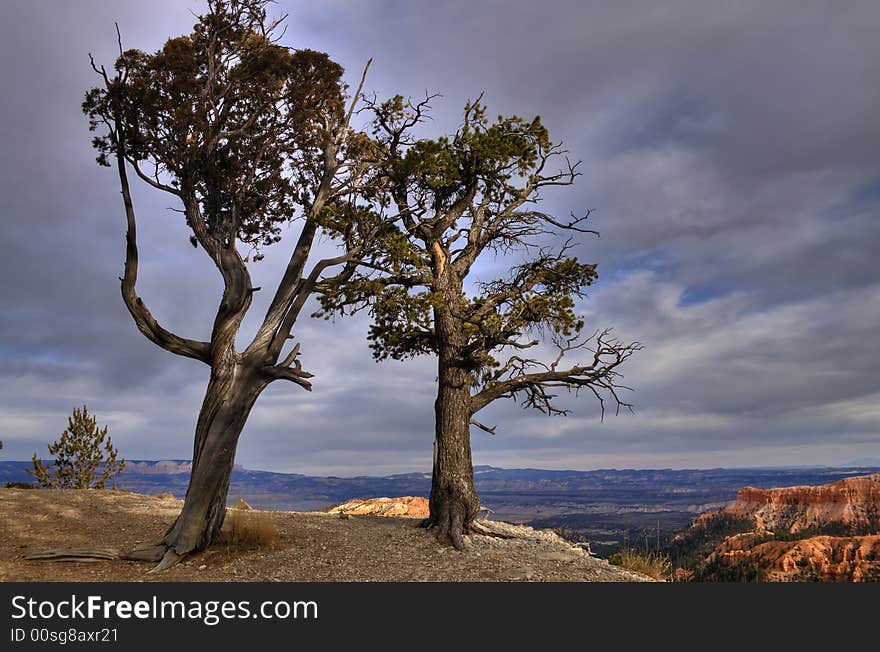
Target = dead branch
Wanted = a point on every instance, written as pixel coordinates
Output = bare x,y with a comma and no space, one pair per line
600,376
479,425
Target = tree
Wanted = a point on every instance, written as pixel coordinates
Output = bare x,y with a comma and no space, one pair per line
240,132
452,200
85,457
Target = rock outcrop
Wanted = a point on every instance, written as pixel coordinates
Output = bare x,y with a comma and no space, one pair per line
818,558
400,506
827,533
849,503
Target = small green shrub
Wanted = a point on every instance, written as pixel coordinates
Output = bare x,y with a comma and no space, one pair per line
84,456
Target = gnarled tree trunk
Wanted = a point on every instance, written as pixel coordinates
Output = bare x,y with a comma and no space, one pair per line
232,179
454,502
230,395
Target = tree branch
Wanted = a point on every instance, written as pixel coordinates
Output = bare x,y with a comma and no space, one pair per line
357,94
155,183
143,318
279,372
303,292
599,376
479,425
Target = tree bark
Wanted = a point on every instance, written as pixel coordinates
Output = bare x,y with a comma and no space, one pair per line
230,395
454,502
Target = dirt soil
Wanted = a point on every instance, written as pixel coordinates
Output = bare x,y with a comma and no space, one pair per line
311,546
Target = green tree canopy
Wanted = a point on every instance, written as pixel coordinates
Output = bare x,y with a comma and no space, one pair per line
447,202
453,199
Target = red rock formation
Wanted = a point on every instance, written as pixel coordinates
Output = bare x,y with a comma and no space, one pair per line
401,506
852,502
819,558
775,552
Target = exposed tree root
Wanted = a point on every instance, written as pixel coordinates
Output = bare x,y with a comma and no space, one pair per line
160,552
451,529
456,537
153,552
170,559
478,528
73,554
455,530
450,525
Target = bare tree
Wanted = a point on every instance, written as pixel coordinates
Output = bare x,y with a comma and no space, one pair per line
452,200
242,133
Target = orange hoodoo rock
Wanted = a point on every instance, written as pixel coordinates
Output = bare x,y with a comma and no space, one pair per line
401,506
851,501
827,533
822,558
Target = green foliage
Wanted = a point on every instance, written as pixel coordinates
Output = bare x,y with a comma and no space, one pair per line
402,324
690,548
492,155
831,529
218,116
718,570
84,456
459,197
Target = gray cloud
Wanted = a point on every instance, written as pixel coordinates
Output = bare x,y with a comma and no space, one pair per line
730,150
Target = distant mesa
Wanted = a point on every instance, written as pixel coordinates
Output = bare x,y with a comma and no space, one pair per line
161,467
167,467
400,506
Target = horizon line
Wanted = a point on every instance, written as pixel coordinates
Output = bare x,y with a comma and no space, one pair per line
527,468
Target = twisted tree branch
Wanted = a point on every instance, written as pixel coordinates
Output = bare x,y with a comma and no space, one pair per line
600,376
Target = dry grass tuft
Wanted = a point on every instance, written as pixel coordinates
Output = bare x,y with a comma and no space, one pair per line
243,530
652,564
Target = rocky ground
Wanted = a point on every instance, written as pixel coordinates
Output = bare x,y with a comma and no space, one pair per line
310,546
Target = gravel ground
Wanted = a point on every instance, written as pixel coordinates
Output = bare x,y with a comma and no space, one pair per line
310,547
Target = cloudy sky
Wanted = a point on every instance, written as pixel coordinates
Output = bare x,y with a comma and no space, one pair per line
731,149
